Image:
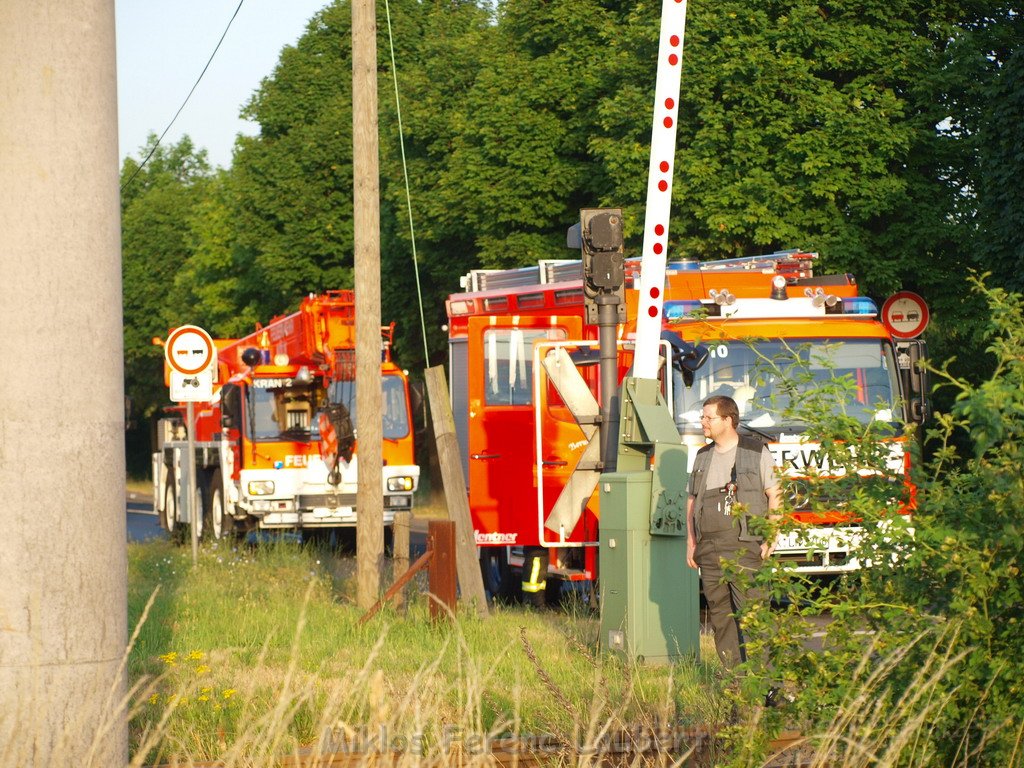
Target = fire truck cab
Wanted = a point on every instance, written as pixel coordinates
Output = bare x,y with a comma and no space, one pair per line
262,457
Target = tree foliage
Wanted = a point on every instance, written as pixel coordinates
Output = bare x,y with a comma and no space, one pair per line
158,209
883,135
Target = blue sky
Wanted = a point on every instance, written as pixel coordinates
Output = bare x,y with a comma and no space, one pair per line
162,46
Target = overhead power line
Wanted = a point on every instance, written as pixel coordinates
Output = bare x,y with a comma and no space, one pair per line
193,90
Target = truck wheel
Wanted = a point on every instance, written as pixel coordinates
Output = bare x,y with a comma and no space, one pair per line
170,512
175,530
499,581
220,524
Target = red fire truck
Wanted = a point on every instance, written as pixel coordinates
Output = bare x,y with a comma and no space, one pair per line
281,393
529,464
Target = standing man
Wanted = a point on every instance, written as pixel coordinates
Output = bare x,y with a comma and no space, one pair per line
733,479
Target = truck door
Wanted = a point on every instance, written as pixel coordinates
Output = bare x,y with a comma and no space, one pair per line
501,436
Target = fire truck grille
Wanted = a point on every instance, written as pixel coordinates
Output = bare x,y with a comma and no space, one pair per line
328,500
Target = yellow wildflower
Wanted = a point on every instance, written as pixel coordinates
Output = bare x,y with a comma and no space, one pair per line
202,669
170,659
196,655
154,698
228,693
204,697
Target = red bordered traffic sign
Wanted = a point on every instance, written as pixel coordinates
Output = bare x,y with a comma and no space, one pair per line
905,315
189,350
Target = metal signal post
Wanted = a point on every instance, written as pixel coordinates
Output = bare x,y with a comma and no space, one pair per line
604,301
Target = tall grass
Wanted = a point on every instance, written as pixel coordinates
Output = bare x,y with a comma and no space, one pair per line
256,657
258,652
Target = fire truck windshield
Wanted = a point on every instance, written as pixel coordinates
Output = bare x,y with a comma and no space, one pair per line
288,411
283,412
750,371
396,412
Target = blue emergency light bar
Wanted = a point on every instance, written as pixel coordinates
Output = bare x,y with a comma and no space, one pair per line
858,305
681,311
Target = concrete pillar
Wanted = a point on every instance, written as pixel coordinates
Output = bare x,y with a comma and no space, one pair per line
63,570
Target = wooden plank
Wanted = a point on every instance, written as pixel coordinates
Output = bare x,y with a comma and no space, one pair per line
467,560
423,562
400,551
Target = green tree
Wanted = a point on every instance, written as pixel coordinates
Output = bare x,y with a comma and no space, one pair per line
293,182
985,93
159,205
797,127
211,280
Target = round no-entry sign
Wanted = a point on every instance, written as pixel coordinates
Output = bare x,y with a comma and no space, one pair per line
905,315
189,350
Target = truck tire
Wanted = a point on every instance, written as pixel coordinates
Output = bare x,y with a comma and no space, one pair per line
220,524
169,518
199,509
499,581
169,514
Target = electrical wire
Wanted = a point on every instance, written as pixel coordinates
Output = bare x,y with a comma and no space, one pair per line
194,86
408,195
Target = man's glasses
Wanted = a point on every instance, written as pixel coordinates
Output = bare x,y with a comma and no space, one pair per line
710,418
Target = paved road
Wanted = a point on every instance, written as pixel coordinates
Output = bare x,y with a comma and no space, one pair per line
143,524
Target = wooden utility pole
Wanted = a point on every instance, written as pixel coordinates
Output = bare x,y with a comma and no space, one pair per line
470,579
63,562
366,221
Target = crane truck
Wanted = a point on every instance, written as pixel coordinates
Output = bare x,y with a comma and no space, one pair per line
275,448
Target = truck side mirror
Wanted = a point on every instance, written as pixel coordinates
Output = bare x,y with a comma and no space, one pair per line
687,358
916,379
417,404
230,406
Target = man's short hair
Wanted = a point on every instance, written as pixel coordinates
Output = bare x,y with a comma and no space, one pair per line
726,407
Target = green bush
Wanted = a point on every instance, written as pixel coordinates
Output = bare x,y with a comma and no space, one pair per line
920,663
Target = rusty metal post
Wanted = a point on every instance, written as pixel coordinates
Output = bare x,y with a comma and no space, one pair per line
400,551
442,568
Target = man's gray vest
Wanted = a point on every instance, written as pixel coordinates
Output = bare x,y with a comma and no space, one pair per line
749,488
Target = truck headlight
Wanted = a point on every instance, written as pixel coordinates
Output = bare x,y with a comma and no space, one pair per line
400,483
261,487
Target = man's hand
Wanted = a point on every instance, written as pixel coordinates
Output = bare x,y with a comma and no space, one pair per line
767,548
691,549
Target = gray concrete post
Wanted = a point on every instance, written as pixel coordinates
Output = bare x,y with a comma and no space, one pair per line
63,569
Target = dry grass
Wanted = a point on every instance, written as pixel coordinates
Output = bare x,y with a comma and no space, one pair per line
277,629
257,655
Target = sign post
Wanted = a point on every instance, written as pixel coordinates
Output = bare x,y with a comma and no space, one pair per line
191,355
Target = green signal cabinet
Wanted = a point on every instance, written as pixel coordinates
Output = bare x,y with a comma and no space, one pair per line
650,609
